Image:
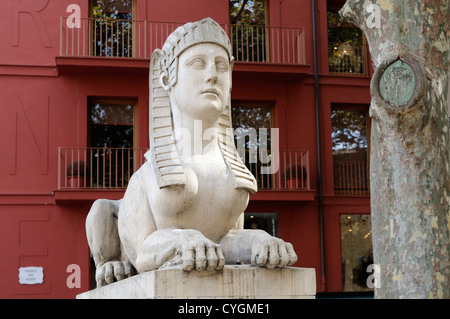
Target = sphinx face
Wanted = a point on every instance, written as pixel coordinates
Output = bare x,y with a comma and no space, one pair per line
204,81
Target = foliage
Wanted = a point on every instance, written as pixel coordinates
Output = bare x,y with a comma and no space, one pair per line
248,32
252,118
111,125
349,130
113,9
113,27
248,12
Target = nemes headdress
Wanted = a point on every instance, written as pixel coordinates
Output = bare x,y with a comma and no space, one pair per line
163,153
192,33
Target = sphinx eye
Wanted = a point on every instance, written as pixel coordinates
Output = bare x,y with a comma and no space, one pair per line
197,63
221,66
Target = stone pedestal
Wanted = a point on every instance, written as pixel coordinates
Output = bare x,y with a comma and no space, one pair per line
237,281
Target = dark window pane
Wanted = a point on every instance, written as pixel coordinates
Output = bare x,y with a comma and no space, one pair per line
346,51
248,33
249,119
114,9
252,125
112,28
349,135
111,125
356,250
264,221
249,12
110,136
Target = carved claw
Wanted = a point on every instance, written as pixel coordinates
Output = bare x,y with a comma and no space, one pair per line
272,252
112,271
202,254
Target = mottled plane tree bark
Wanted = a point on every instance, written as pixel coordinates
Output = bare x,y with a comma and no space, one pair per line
410,166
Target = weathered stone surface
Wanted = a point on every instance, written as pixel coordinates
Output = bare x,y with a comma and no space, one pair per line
185,205
410,165
233,282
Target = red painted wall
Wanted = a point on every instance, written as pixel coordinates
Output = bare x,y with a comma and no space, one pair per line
44,106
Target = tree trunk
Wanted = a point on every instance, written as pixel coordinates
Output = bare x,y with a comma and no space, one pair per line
410,166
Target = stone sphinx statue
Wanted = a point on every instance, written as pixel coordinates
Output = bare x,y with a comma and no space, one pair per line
185,204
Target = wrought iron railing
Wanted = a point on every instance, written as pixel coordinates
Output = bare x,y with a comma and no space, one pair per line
280,45
119,38
351,178
97,168
283,170
111,168
347,59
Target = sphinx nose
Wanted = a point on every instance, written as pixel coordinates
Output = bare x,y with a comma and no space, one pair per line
211,74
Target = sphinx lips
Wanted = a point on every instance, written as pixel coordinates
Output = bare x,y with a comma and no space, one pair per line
210,91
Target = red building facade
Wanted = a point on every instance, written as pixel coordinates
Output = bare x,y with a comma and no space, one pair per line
74,74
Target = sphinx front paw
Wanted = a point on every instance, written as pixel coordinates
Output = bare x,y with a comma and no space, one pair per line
112,271
201,254
271,252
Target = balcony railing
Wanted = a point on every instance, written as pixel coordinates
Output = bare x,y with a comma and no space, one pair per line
111,168
118,38
287,171
347,59
97,168
279,45
351,178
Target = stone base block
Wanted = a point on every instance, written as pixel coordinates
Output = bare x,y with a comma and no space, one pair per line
236,281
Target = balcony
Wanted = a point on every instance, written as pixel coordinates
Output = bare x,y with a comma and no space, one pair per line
351,178
266,49
97,168
348,59
83,172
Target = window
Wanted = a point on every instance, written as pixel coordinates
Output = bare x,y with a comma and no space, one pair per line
252,124
112,28
248,32
263,221
248,12
346,46
356,251
350,144
111,136
111,123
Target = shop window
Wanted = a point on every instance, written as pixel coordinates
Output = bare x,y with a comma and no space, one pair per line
112,28
350,144
356,251
263,221
347,48
111,136
252,124
248,31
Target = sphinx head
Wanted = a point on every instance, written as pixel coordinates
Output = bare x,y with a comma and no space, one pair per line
196,69
191,75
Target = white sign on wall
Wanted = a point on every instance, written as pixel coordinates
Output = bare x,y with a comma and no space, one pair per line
31,275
